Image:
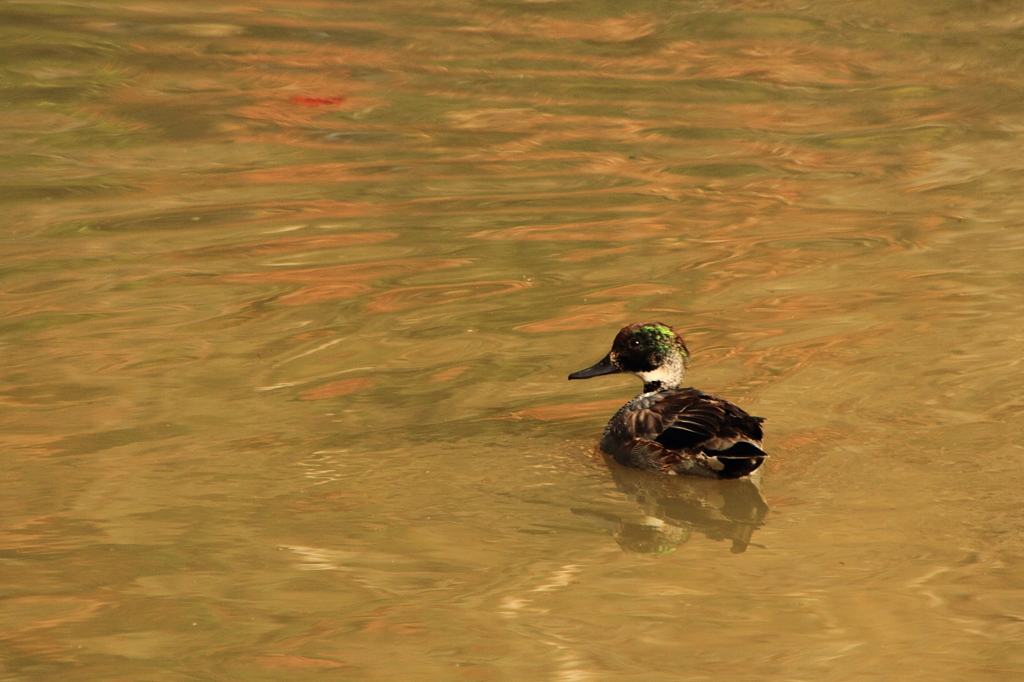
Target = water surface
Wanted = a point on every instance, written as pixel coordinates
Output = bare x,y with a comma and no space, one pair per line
289,292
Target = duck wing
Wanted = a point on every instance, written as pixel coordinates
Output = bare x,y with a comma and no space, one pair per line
688,420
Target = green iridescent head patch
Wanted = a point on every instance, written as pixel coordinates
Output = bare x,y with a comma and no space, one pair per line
662,337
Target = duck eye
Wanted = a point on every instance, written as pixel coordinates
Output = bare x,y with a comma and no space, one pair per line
634,343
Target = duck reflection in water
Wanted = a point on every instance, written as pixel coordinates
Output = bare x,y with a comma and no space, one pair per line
673,507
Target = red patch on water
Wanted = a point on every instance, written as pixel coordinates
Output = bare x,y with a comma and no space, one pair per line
317,101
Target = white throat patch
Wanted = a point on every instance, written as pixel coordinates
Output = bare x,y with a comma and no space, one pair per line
668,376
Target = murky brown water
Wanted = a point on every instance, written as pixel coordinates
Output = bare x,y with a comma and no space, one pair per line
289,292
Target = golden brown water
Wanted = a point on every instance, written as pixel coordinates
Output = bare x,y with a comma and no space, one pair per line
289,292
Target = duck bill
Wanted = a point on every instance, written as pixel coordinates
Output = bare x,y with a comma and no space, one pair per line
600,369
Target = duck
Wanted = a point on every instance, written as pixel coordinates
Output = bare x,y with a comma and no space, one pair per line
669,429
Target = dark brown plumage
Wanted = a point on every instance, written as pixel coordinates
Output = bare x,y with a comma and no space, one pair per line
669,429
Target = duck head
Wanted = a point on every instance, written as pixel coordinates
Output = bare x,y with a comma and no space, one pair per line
650,350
